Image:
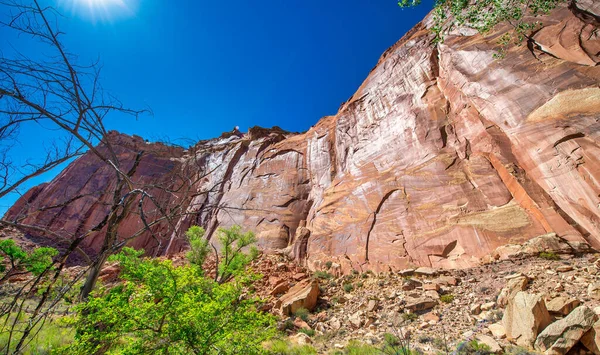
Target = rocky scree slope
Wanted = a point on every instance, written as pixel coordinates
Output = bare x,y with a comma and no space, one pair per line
441,156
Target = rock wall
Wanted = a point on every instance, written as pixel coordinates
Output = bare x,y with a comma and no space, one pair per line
443,154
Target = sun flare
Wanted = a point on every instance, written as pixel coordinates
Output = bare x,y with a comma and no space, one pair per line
100,10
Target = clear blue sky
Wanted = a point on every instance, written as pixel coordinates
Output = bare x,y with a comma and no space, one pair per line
204,67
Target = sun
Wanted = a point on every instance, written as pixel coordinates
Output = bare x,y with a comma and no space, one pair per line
100,10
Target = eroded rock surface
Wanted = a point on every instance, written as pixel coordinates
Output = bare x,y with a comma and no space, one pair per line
443,155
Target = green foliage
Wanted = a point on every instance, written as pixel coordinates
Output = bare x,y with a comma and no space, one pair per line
10,249
309,332
328,265
323,275
484,15
472,347
288,324
236,250
160,309
409,316
391,339
357,348
281,347
35,262
199,248
549,255
447,298
39,259
348,287
50,336
302,313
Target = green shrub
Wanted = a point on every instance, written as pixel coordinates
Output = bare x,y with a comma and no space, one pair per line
447,298
20,261
348,287
281,347
409,316
391,339
357,348
161,308
472,347
549,255
328,265
309,332
302,313
288,324
323,275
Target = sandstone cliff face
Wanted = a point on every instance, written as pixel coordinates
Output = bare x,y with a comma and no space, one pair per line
442,155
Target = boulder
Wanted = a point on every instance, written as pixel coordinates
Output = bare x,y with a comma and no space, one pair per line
303,295
513,286
593,291
426,271
591,339
372,305
497,330
300,324
431,287
420,304
488,306
559,337
564,268
406,272
524,318
447,281
411,284
300,339
356,319
562,305
490,342
280,288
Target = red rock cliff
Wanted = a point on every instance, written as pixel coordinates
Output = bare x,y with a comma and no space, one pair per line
442,155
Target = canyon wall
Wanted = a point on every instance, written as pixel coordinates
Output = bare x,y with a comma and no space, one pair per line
442,155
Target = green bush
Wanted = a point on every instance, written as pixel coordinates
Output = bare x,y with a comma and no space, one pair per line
302,313
232,260
409,316
161,308
281,347
348,287
447,298
355,347
472,347
323,275
288,324
391,339
328,265
20,261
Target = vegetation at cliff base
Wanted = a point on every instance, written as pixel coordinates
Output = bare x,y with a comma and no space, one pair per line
154,307
165,309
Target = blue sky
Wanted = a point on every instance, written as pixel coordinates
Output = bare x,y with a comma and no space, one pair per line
204,67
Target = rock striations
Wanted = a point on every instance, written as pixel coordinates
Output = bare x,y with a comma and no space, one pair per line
442,155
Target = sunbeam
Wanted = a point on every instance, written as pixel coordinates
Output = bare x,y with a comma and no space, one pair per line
100,10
